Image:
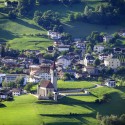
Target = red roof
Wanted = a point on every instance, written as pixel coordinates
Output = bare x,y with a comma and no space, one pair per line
46,84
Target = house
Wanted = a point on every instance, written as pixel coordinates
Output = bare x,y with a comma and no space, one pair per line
50,49
107,38
57,43
48,88
79,45
7,3
10,4
110,83
45,61
103,56
13,77
64,61
62,48
63,71
54,35
9,61
3,95
121,32
98,48
39,72
88,60
119,50
90,70
16,92
78,75
112,63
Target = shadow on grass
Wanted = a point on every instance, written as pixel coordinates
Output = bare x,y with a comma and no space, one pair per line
121,88
79,117
114,106
19,21
2,105
6,35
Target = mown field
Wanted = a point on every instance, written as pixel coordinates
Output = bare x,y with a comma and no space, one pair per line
75,84
27,110
36,43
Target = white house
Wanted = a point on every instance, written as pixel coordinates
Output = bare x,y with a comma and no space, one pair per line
54,35
112,62
64,61
16,92
3,95
88,60
39,72
104,56
62,48
110,83
98,48
107,38
80,44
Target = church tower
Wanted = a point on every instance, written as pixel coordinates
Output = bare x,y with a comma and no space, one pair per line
53,73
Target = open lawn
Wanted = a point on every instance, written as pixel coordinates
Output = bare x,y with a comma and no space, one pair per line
63,85
27,110
24,43
11,29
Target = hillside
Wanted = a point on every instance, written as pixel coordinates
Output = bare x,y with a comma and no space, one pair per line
18,28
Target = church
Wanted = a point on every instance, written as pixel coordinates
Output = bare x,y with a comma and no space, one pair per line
48,89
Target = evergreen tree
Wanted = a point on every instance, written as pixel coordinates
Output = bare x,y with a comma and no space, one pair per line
3,51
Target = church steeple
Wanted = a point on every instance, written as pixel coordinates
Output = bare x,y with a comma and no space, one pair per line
53,73
53,67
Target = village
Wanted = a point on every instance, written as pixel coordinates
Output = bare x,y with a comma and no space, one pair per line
68,62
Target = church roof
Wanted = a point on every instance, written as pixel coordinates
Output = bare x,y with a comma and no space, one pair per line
46,84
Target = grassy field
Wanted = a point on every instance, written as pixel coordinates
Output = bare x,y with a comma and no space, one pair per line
64,85
27,110
30,43
74,84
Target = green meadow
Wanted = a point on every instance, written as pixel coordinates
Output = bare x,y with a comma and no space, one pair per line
75,84
27,110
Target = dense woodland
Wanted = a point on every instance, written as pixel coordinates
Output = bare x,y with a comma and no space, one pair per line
107,13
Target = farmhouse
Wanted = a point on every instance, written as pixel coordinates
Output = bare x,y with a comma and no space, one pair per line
110,83
98,48
88,60
107,38
54,35
16,92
